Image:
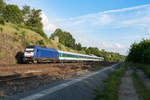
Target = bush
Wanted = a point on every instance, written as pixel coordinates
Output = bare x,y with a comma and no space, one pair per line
40,42
140,52
16,33
26,43
1,29
59,46
15,40
2,21
23,34
37,30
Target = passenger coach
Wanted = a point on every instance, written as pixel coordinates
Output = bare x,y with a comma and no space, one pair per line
37,54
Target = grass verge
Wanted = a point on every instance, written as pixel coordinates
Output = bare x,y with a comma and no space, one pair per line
144,93
110,91
144,67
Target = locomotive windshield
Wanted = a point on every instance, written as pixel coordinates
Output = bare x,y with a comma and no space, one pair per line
29,51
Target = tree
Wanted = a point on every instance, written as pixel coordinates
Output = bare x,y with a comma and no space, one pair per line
34,21
2,6
13,14
26,13
140,52
78,46
65,38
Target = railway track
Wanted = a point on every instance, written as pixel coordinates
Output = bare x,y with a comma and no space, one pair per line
13,78
25,71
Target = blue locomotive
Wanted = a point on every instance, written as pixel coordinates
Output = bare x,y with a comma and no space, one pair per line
40,54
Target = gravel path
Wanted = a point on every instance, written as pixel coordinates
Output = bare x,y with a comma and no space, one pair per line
144,78
127,90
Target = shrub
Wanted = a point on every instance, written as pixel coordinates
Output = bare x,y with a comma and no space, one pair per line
16,33
23,34
59,46
26,43
15,40
37,30
140,52
2,21
40,42
1,29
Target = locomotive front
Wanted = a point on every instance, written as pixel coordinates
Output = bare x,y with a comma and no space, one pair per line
29,54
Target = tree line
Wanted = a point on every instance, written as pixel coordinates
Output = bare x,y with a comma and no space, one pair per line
25,17
68,40
140,52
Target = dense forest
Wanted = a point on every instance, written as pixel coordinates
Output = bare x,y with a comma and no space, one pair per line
140,52
31,19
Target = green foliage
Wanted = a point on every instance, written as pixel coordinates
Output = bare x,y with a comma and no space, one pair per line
15,40
26,43
26,13
98,67
59,46
2,21
140,52
65,38
108,56
23,34
13,14
2,7
140,87
1,29
16,33
38,30
33,20
40,42
78,47
144,67
110,91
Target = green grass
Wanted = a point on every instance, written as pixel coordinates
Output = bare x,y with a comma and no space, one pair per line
144,67
32,38
98,67
110,91
141,89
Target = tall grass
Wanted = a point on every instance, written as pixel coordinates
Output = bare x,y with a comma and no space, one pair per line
141,89
144,67
110,91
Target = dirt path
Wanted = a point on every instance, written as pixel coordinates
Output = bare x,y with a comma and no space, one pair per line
144,78
127,90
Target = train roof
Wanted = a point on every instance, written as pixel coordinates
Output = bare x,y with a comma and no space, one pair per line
40,47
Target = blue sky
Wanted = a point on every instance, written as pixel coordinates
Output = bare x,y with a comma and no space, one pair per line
112,25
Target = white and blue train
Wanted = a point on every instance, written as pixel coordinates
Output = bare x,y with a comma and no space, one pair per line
40,54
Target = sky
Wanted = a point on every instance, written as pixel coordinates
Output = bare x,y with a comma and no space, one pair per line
112,25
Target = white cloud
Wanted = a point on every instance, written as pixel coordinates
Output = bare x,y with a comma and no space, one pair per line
105,19
118,45
148,31
127,9
48,27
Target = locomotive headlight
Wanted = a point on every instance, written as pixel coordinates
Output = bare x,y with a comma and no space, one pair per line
29,52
